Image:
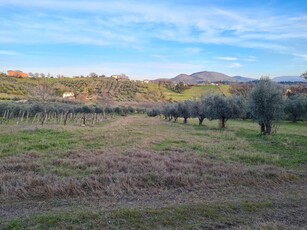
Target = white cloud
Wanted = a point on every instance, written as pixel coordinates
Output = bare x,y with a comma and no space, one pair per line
250,59
192,50
234,65
116,22
227,58
303,56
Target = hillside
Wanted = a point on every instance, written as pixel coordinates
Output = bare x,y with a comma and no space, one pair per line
243,79
87,90
202,77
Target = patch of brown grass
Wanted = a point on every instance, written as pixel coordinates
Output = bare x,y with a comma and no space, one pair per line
134,172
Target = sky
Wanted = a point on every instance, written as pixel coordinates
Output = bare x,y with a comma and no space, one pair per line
154,39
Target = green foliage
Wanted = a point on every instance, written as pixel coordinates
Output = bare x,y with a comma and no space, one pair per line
296,107
222,108
180,87
266,104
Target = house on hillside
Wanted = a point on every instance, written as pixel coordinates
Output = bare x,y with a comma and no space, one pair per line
121,77
68,95
17,73
146,81
115,76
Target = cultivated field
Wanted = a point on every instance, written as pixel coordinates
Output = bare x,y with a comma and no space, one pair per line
137,172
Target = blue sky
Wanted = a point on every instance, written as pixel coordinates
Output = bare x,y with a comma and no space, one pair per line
154,39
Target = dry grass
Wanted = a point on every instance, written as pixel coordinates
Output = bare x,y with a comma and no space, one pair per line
133,172
149,162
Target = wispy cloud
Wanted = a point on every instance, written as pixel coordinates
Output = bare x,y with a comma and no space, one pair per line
303,56
250,59
113,22
178,31
227,58
234,65
9,53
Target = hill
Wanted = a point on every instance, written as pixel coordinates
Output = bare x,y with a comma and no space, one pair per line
202,77
289,78
87,90
243,79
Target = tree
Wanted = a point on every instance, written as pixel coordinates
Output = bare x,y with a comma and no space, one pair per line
174,112
266,104
166,111
224,108
199,110
104,100
180,87
296,107
242,89
92,74
41,93
304,75
184,110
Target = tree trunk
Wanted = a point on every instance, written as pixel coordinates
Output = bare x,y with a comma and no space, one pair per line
185,120
44,118
262,128
200,121
83,119
65,118
222,123
294,120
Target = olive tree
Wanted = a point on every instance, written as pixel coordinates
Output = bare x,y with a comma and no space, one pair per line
199,110
174,113
266,104
224,108
166,111
184,110
296,107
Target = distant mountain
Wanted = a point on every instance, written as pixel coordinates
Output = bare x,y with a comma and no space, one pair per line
289,78
243,79
201,77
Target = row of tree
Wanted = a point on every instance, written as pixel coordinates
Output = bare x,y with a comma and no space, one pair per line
265,103
60,112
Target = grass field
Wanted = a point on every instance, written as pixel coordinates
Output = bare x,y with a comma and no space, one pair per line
137,172
196,91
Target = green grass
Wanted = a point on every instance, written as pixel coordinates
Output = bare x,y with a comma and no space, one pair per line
69,155
176,217
240,141
194,92
290,148
36,140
